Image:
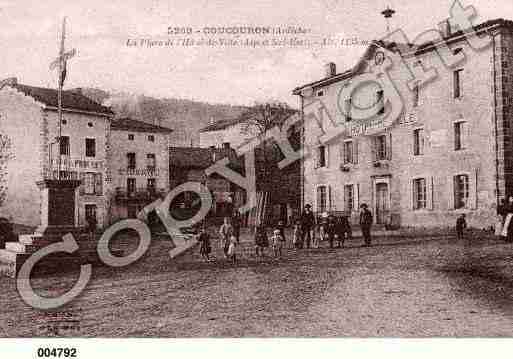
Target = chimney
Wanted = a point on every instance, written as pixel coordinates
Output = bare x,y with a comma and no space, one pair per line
331,69
445,28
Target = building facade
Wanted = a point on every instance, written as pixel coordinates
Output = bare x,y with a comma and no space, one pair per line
29,119
447,152
278,190
139,166
188,164
231,132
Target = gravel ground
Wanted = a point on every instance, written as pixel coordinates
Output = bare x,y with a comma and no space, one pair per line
397,287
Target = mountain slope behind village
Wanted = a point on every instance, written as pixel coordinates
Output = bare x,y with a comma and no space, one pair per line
185,117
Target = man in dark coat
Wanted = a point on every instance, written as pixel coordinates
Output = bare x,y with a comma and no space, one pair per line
236,224
331,229
366,223
343,230
307,225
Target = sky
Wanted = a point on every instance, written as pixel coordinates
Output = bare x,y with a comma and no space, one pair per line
99,30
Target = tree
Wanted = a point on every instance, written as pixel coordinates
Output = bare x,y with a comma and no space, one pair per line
255,122
6,155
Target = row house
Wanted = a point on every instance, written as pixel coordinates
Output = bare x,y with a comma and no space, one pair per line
29,120
139,170
448,151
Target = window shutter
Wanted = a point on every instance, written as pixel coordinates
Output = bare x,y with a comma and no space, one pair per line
82,183
98,186
355,151
430,193
467,135
330,199
318,199
452,197
373,146
327,155
356,196
411,194
472,191
389,146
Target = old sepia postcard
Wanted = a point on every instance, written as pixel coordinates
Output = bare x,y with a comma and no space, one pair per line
255,169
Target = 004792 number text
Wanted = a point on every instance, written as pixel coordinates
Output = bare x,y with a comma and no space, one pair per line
56,352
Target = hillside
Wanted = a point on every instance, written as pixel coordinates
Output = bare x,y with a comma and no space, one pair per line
185,117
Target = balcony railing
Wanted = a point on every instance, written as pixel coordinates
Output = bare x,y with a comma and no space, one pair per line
146,171
76,163
139,194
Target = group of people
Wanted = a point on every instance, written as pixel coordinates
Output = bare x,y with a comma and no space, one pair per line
330,228
307,233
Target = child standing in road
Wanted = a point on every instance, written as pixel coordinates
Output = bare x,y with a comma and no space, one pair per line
297,236
232,255
205,248
461,224
277,241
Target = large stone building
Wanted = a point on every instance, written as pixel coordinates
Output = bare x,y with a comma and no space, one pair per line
122,164
29,119
448,151
139,166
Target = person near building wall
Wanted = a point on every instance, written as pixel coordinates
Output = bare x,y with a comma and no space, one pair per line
366,223
307,225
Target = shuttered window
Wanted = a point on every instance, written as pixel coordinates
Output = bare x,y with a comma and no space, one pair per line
461,191
321,199
419,193
349,197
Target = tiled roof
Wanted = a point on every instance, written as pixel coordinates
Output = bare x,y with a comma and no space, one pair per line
225,123
128,124
221,124
195,157
404,48
71,100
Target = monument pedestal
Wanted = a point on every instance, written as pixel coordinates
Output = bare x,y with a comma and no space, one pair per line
58,211
58,217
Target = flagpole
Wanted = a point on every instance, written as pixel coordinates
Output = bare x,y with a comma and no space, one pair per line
59,96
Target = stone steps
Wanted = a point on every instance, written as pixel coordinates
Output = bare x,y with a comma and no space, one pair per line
16,254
